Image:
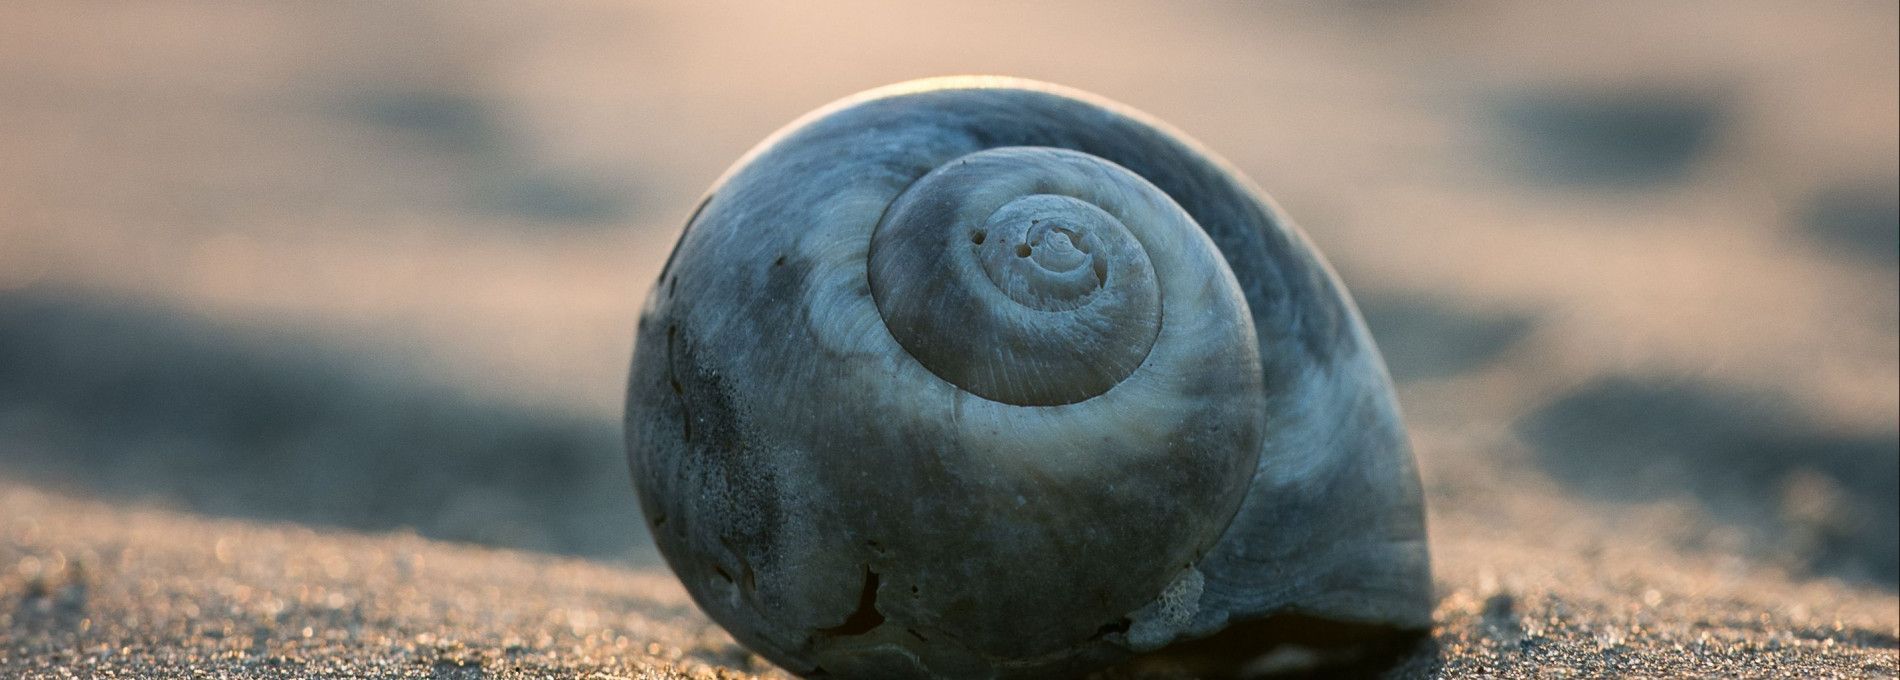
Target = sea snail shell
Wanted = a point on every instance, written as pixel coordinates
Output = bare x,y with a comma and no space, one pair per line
991,378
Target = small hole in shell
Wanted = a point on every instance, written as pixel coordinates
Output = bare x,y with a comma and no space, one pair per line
977,237
1022,250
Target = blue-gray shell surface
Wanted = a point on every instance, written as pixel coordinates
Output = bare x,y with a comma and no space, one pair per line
984,377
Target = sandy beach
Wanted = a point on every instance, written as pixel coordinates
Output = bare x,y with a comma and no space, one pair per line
100,591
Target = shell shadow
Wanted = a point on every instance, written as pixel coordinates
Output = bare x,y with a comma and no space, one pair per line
138,403
1292,646
1825,500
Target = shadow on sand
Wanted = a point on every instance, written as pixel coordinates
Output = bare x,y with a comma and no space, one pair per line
1861,221
1825,500
1425,338
138,403
1613,139
468,129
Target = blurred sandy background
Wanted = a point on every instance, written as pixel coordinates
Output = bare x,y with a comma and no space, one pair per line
375,266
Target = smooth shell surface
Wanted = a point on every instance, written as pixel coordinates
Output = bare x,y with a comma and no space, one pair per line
986,378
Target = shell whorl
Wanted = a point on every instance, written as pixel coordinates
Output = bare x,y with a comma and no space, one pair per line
1021,274
991,378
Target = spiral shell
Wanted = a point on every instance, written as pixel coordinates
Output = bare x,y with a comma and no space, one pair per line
985,378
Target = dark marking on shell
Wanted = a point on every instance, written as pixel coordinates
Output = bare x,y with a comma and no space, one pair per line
866,617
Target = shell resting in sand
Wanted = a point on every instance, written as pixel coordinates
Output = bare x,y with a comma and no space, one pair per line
989,378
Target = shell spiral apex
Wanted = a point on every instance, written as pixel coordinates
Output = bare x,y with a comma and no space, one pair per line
1015,245
989,378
